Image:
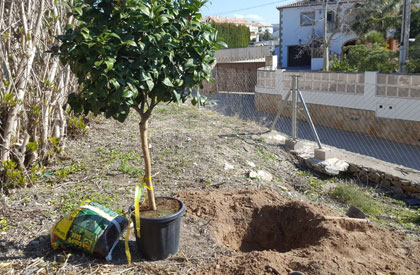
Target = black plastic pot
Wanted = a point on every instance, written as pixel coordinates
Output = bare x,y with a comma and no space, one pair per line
159,237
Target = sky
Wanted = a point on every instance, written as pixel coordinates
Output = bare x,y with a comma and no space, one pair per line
253,10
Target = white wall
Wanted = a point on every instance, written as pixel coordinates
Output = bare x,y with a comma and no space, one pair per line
295,34
317,64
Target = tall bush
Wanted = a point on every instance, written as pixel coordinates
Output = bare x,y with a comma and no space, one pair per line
33,86
234,36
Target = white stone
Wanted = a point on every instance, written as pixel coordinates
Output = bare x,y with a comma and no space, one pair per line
252,175
229,166
264,175
334,166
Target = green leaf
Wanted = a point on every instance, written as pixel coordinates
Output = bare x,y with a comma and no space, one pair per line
98,63
221,45
127,93
177,96
130,43
145,9
144,76
167,82
150,84
113,34
163,19
110,63
115,83
190,63
79,11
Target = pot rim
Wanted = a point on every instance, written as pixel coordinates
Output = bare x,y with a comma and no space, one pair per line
174,216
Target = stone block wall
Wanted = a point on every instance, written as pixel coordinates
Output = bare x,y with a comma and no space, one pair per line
397,185
266,79
403,86
352,83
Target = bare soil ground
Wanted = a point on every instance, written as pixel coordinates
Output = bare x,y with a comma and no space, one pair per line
234,224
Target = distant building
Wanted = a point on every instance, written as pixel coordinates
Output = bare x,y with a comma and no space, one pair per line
255,28
301,29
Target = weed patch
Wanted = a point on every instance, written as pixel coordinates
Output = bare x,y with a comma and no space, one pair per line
4,224
352,195
64,172
72,199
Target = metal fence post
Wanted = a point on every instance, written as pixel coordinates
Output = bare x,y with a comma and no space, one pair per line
294,106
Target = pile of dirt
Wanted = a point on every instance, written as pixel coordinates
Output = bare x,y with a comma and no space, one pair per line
271,234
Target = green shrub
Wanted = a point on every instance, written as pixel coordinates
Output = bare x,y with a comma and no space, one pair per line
12,176
76,126
337,65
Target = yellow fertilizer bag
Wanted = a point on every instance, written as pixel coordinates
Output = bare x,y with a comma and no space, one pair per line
92,228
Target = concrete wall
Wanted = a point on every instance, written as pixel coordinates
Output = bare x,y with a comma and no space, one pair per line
350,101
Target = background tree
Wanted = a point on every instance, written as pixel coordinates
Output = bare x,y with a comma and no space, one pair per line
136,54
377,15
267,36
341,19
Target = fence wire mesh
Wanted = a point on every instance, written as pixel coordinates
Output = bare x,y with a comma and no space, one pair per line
376,115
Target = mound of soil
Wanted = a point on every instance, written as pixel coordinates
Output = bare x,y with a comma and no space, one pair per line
271,234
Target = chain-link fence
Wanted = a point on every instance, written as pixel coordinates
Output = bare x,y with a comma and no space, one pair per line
372,114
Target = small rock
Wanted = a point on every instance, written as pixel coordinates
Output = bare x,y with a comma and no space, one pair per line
252,175
250,164
264,175
296,273
405,182
229,166
355,213
385,183
353,169
396,183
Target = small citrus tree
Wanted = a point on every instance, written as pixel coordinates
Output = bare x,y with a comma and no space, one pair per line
135,54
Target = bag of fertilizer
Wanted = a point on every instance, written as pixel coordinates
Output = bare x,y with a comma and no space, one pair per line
92,228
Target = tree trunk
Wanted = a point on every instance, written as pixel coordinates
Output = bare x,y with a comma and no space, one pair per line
147,160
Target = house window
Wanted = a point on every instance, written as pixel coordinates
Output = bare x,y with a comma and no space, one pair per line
307,18
331,16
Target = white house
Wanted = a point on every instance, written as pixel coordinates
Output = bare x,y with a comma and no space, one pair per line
301,32
263,27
